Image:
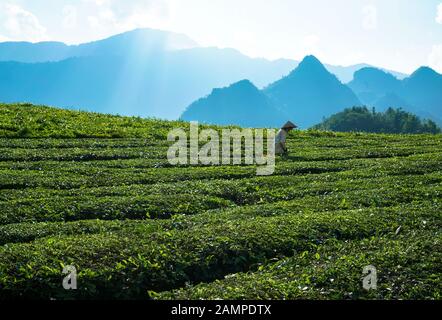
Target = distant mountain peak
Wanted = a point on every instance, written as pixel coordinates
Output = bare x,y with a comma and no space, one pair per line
148,32
310,90
243,84
372,83
421,92
241,103
424,72
373,72
147,39
311,69
311,59
241,88
311,64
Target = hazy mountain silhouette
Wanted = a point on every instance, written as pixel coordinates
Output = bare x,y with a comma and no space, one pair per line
370,84
346,74
423,90
157,83
143,72
222,63
74,82
33,52
144,41
240,104
420,93
390,100
141,41
310,92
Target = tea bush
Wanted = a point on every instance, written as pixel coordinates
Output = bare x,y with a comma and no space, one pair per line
97,192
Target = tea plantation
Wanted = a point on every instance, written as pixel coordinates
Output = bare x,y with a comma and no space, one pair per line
97,192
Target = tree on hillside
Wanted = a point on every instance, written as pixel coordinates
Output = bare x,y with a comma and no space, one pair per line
365,120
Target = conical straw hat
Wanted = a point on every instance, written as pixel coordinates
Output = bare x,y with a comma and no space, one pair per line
289,125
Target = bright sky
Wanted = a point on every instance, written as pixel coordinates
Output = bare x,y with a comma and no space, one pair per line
396,34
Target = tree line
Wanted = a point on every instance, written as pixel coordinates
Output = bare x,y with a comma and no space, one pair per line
392,120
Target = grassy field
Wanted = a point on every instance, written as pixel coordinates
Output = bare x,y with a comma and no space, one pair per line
97,192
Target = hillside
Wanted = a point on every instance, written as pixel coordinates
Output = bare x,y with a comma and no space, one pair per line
346,74
240,104
371,84
158,84
420,93
29,121
305,96
136,227
360,119
156,73
141,40
423,90
310,92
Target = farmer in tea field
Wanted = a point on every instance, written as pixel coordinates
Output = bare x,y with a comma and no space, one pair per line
280,140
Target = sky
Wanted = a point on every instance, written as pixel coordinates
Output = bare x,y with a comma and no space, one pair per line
396,34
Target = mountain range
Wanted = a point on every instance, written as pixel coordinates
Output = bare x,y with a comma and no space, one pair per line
144,72
310,93
307,94
241,103
139,41
420,93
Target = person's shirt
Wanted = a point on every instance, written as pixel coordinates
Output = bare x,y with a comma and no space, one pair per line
281,136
